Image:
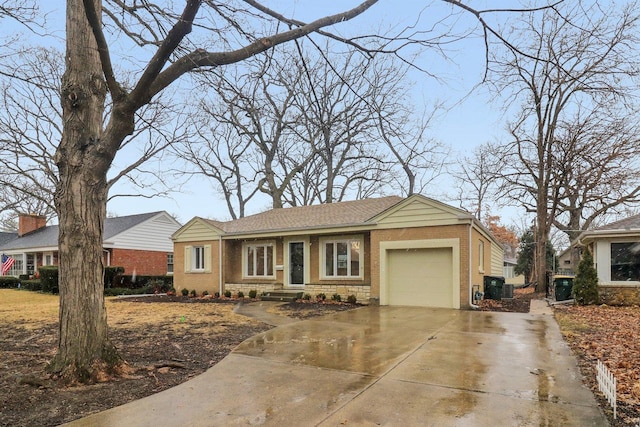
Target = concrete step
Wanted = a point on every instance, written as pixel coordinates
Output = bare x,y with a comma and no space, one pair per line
284,296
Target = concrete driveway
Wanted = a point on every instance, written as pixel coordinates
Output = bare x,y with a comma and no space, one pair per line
383,366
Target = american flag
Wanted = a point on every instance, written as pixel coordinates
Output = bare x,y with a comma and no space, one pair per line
7,263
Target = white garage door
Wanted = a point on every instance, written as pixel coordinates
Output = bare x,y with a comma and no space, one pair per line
420,277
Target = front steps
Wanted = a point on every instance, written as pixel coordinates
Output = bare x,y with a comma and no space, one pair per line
281,295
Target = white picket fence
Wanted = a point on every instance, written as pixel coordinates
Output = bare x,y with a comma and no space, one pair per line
607,385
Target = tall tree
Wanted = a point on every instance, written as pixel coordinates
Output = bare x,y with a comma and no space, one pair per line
475,177
31,126
580,61
526,263
303,130
87,150
92,134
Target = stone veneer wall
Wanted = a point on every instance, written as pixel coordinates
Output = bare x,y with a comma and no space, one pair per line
619,295
234,288
362,292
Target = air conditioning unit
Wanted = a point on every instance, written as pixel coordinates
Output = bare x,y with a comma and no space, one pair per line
507,291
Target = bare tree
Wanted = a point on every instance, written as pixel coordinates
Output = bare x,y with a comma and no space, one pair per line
580,61
475,177
89,145
597,159
99,113
311,128
31,126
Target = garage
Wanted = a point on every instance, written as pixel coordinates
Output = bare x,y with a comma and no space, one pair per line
420,277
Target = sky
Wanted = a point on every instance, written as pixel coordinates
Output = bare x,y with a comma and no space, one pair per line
470,119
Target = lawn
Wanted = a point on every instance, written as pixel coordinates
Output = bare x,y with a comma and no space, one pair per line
163,344
612,335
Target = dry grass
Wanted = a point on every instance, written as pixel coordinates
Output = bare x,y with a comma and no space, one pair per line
32,310
29,309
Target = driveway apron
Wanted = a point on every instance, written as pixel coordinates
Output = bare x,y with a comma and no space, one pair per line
388,366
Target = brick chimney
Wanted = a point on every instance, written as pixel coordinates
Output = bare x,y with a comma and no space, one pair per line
30,222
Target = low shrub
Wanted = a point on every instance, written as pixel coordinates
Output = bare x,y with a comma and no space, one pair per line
31,285
49,278
163,283
194,293
7,282
217,295
307,297
185,292
240,294
585,284
205,293
336,297
321,297
110,275
351,299
227,294
253,294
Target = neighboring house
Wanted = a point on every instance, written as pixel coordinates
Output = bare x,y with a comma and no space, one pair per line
139,243
566,260
616,255
508,271
390,250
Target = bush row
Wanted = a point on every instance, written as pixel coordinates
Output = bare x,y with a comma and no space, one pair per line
115,282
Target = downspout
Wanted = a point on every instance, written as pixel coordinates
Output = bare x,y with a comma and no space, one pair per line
220,264
471,304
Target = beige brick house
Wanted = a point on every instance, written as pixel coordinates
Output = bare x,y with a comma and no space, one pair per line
390,250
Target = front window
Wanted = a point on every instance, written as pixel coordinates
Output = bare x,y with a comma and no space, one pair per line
625,261
342,258
169,263
259,260
481,256
198,258
48,259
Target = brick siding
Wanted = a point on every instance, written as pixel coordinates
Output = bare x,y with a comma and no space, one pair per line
148,263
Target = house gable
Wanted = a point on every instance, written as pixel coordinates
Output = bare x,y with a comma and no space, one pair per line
420,211
197,230
151,234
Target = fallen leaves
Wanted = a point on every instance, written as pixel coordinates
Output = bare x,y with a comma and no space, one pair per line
609,334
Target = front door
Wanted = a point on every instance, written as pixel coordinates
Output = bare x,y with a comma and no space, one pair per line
296,263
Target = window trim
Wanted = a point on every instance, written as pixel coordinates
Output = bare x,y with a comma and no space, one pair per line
190,261
610,266
245,261
342,239
172,263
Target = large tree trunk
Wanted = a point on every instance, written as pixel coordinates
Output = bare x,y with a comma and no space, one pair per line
81,194
541,237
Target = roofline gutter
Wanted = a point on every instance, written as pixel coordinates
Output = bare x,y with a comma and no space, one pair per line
471,304
296,231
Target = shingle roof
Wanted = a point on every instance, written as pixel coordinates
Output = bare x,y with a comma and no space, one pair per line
7,236
633,222
314,216
48,236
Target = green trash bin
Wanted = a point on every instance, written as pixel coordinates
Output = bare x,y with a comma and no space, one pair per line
493,287
563,286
